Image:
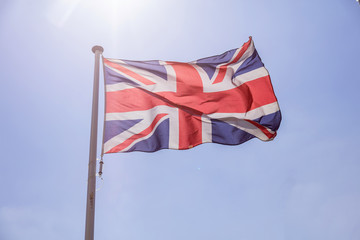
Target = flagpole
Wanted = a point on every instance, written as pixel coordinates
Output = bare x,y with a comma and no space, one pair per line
90,202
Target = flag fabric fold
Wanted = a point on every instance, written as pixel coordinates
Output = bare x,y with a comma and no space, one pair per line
153,105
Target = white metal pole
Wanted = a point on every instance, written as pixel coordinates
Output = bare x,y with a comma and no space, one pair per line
90,202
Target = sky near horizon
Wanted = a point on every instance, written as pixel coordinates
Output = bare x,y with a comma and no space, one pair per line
305,184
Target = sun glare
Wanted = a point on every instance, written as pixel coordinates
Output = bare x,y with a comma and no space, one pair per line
60,11
110,11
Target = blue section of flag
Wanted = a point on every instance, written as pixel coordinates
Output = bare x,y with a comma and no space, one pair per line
112,77
151,66
271,121
209,64
158,140
115,127
251,63
224,133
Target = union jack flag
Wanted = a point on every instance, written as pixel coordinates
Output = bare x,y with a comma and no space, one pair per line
153,105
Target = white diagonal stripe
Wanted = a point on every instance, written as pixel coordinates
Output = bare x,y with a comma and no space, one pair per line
159,86
250,115
147,117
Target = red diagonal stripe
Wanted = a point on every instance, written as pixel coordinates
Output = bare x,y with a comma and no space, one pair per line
263,129
241,52
142,134
128,72
223,68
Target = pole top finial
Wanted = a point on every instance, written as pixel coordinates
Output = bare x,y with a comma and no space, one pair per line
97,48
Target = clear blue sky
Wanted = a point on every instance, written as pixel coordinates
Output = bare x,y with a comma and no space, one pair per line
303,185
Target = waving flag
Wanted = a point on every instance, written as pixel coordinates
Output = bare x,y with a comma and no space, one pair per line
153,105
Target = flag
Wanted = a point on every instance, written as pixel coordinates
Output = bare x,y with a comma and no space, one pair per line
153,105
